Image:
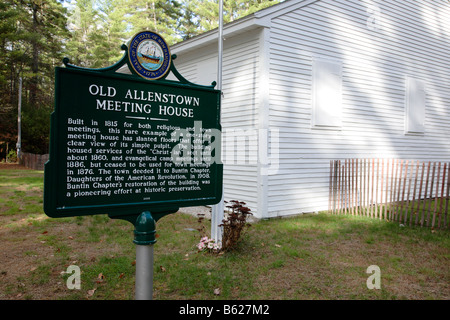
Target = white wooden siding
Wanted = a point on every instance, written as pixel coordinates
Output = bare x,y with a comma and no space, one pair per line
239,114
240,82
406,39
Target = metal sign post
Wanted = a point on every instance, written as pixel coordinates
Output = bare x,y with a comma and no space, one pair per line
144,272
144,238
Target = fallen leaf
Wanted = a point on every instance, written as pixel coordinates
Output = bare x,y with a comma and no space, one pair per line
162,268
32,269
70,237
133,263
121,275
45,232
217,291
100,278
277,245
90,293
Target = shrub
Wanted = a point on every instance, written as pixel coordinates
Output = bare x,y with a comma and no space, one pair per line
11,157
233,227
235,224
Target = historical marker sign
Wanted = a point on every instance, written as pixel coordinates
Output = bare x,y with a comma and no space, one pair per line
121,144
135,147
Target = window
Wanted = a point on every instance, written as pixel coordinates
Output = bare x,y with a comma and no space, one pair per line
327,94
415,106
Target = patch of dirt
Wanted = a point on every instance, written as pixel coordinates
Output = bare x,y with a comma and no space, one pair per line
33,259
19,258
20,253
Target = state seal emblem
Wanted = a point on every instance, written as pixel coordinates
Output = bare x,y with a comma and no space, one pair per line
149,55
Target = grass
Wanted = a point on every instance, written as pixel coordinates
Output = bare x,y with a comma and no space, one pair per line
307,257
425,211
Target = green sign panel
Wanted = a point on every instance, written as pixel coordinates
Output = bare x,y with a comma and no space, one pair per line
121,144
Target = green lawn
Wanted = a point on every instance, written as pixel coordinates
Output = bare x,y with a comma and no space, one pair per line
306,257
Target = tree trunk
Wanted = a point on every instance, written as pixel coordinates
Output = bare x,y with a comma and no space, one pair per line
35,58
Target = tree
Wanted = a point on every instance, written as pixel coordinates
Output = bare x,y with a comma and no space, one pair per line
98,29
30,45
42,32
160,16
203,15
83,24
188,24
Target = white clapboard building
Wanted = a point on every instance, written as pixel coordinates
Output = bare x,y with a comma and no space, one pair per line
309,81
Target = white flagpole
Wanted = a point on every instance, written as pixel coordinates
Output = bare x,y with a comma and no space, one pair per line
217,213
220,40
19,123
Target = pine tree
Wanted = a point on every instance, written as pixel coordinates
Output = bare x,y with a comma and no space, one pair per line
203,15
30,47
188,24
160,16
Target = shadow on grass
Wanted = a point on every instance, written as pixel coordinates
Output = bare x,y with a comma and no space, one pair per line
333,225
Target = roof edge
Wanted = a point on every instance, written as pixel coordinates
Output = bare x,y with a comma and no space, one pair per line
255,20
244,24
283,7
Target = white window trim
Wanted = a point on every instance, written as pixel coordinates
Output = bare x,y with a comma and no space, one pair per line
315,123
418,98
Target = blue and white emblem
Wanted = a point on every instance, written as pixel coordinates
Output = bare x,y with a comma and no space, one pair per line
149,55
